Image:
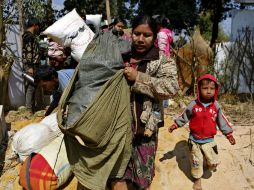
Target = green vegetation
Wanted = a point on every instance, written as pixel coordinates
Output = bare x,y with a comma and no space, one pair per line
206,25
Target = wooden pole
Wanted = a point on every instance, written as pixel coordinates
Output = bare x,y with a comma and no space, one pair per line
108,11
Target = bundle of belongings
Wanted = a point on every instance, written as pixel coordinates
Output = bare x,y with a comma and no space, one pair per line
71,31
47,169
94,114
41,148
55,50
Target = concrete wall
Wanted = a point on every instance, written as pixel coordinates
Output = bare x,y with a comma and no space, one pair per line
240,20
16,89
221,56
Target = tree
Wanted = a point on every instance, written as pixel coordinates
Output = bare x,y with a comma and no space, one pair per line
216,8
117,7
27,9
182,13
206,25
50,13
87,7
37,9
20,17
123,9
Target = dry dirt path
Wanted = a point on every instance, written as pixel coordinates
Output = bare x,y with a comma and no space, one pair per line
235,172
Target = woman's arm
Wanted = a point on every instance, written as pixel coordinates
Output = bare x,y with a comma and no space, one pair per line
163,85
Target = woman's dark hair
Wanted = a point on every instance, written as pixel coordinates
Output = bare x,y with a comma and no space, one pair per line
162,21
45,73
117,20
145,19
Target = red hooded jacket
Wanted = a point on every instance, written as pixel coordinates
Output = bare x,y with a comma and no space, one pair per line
203,120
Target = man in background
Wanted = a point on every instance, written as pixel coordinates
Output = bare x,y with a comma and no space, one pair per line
30,60
53,83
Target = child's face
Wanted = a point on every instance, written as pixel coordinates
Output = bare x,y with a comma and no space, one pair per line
119,27
207,90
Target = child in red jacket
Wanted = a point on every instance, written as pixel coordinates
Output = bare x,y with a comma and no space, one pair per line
203,114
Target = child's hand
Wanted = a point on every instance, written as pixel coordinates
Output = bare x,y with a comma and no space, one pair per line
172,128
231,139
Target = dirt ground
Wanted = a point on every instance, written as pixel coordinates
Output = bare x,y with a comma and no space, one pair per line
235,172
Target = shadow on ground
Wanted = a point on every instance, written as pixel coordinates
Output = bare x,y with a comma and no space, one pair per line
181,152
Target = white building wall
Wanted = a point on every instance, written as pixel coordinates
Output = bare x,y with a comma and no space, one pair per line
16,88
240,20
221,56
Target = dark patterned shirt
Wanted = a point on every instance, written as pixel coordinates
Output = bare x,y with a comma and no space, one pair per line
30,51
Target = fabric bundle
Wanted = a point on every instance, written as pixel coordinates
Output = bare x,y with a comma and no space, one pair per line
55,50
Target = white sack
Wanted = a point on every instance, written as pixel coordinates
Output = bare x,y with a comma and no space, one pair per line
94,19
71,31
51,122
32,138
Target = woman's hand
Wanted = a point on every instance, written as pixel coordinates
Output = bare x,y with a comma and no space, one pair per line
130,73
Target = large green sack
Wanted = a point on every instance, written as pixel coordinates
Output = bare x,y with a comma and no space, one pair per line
102,59
111,104
98,142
